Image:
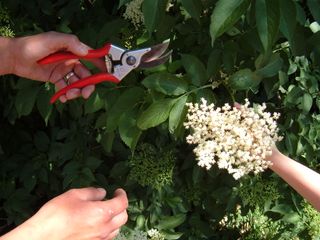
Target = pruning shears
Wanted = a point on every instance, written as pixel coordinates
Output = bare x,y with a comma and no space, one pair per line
119,63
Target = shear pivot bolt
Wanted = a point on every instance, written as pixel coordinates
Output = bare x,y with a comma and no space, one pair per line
131,60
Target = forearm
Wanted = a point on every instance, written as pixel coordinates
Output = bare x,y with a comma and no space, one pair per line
6,55
27,230
304,180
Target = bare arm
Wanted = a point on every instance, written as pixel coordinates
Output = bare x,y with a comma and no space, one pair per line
6,65
304,180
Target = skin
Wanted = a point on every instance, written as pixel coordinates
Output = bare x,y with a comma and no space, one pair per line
301,178
304,180
79,214
20,55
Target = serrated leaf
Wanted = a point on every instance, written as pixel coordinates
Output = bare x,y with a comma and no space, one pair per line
195,69
225,14
193,7
268,20
166,83
170,222
155,114
272,68
126,101
129,132
177,113
243,79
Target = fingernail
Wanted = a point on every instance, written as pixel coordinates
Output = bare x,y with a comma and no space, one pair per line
83,49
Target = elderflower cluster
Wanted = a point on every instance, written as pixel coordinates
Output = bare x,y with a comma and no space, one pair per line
152,167
133,13
154,234
257,191
236,139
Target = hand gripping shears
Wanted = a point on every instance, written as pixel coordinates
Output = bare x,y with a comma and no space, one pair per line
119,63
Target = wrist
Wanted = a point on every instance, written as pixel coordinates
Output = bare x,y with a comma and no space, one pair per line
7,55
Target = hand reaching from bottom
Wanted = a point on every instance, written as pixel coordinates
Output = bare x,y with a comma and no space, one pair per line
79,214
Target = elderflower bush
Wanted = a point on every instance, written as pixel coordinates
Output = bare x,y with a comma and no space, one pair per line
238,140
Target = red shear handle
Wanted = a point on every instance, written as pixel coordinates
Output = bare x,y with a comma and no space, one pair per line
92,80
59,56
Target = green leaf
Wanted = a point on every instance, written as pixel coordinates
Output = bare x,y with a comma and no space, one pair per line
25,100
268,20
166,83
243,79
94,103
207,94
43,102
306,102
195,69
129,132
225,14
314,6
214,62
193,7
271,68
291,142
294,95
170,222
177,113
107,140
155,114
123,2
171,235
126,101
288,20
41,141
281,208
152,10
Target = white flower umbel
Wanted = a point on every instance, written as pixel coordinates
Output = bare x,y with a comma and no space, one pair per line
236,139
133,13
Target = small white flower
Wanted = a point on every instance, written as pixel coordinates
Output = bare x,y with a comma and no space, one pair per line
154,234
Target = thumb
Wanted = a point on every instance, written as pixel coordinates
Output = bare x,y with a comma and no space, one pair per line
91,194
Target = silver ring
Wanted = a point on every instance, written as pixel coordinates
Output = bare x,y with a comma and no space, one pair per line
68,76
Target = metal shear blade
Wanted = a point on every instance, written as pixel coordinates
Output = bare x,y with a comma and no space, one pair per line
156,56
